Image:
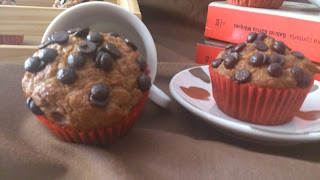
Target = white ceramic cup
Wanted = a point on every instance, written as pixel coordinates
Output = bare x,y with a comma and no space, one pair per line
108,17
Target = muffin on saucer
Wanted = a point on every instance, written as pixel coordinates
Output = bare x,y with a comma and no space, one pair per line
87,87
261,81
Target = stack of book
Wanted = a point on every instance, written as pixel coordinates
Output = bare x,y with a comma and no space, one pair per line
296,24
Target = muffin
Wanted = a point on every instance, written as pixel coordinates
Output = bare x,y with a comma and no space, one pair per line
87,87
10,39
69,3
269,4
261,81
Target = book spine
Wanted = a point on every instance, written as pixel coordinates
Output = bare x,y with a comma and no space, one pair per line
234,25
206,54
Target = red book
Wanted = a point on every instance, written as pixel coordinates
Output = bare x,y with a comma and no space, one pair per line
296,24
208,50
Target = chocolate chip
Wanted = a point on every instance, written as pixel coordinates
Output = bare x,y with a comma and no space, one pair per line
44,44
275,70
216,63
62,2
142,63
230,62
242,76
258,59
60,37
251,37
98,56
230,46
298,54
235,54
87,47
96,38
114,34
29,99
261,36
227,53
305,82
279,47
113,50
106,61
42,65
73,30
276,58
83,32
239,47
67,75
99,94
102,49
131,44
297,73
32,64
76,60
47,55
144,83
33,107
260,45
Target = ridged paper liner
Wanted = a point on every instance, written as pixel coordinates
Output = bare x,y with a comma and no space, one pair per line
98,136
11,39
272,4
253,104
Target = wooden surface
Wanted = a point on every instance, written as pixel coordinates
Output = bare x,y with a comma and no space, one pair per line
16,54
26,20
31,18
131,5
44,3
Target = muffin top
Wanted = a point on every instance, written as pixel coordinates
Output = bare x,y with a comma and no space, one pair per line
262,61
69,3
85,79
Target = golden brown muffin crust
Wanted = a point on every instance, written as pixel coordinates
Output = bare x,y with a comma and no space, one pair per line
259,75
69,104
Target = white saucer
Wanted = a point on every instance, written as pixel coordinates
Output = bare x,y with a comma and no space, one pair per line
192,89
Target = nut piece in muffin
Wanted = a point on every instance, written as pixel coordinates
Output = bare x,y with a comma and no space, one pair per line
261,81
85,79
69,3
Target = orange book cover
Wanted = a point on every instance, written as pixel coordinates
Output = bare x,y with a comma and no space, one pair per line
296,24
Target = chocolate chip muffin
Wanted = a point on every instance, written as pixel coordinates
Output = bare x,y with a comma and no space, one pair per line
261,75
69,3
86,80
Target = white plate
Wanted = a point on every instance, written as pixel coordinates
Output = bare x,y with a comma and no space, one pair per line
192,89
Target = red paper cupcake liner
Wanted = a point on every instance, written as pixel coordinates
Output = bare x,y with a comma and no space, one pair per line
253,104
97,136
11,39
272,4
